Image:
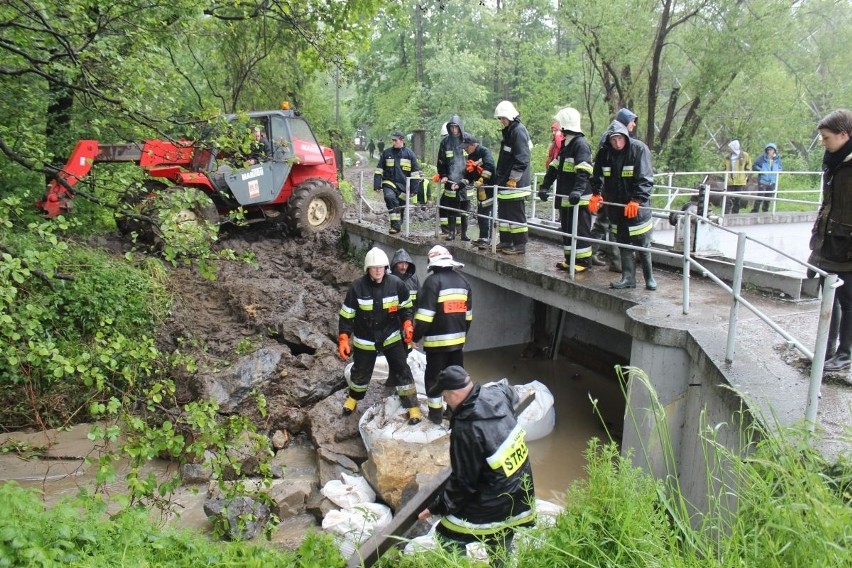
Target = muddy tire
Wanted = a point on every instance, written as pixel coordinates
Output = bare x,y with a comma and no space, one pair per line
134,201
314,206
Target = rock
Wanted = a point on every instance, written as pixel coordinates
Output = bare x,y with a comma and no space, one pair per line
301,336
292,531
245,455
332,464
296,461
229,388
242,517
290,496
280,439
308,379
394,464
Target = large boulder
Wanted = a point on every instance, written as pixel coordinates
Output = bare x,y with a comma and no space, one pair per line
232,386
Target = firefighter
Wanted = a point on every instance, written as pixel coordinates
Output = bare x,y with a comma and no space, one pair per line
451,169
479,172
395,164
571,170
403,267
444,314
376,314
490,491
624,175
512,178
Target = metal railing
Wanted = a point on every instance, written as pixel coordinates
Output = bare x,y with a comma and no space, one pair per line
830,282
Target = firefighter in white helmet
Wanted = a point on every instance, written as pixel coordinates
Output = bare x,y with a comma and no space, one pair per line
377,315
444,314
571,170
512,179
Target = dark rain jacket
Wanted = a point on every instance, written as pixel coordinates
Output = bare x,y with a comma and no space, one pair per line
373,313
624,176
491,485
482,157
831,237
412,282
444,311
451,158
513,162
396,164
571,169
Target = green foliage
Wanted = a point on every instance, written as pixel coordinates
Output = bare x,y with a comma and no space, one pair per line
78,533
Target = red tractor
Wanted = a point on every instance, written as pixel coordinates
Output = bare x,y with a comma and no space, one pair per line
292,175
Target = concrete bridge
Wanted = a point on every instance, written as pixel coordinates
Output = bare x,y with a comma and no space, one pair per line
524,299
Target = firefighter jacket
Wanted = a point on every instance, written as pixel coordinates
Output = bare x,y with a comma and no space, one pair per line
831,236
571,169
372,313
396,164
444,310
451,158
622,177
409,278
513,162
491,486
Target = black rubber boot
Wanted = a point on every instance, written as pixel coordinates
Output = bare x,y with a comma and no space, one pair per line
833,332
464,236
647,271
842,360
436,415
628,271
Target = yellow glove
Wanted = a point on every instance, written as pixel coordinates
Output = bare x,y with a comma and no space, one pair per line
478,183
511,183
631,210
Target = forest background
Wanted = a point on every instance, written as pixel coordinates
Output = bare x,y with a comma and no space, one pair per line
697,72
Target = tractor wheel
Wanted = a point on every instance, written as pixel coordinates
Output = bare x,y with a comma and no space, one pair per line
314,206
185,215
134,201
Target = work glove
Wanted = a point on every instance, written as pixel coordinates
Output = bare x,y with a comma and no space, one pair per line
631,210
595,203
343,348
470,166
511,183
574,197
543,193
436,178
407,331
478,183
479,168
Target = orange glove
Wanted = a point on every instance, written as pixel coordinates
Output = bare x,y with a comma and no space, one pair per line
343,348
511,183
631,210
595,203
407,331
479,169
471,165
436,178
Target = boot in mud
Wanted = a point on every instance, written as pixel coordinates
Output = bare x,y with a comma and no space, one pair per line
436,415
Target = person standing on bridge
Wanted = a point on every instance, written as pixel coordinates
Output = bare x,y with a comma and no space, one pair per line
571,170
831,239
479,173
444,314
451,165
736,164
490,490
603,255
512,179
395,165
767,181
376,314
624,175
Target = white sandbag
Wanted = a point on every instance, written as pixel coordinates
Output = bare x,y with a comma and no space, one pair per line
539,418
546,513
353,526
389,421
351,491
381,371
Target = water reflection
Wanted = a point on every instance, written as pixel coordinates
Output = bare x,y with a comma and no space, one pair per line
558,458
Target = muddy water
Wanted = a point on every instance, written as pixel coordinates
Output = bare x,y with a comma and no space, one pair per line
558,458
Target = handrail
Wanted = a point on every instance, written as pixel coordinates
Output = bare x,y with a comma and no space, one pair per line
829,281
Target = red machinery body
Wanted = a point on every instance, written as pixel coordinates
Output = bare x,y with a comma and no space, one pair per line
297,156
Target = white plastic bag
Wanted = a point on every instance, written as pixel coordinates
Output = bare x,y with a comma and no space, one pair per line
539,418
389,421
354,526
352,491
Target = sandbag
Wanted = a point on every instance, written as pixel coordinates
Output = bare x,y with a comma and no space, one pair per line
389,421
353,526
539,418
351,491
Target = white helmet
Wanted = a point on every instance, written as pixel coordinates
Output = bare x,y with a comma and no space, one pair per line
440,256
569,119
506,110
444,129
376,257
